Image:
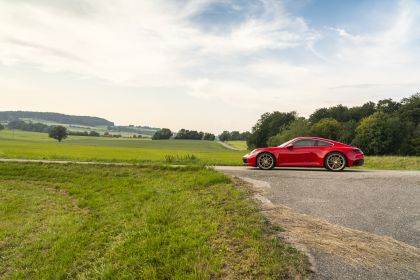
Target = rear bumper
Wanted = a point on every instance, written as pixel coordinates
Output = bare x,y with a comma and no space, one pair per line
358,162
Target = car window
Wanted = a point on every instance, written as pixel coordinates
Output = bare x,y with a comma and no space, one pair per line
305,143
324,144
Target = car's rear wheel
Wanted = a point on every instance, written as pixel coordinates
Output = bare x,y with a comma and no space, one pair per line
335,162
265,161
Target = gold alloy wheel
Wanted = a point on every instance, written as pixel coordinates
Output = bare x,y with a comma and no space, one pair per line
265,161
336,162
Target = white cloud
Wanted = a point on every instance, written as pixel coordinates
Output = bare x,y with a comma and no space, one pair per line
155,44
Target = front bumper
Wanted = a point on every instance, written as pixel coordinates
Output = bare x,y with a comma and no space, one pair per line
249,160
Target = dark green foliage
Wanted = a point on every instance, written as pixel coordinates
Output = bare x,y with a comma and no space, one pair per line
267,126
379,134
387,106
189,134
342,113
299,127
209,137
327,128
388,127
1,127
21,125
164,133
94,134
54,117
410,109
347,132
58,132
234,136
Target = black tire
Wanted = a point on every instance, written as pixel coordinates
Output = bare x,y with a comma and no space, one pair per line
266,161
335,161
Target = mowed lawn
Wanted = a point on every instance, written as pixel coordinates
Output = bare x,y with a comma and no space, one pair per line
103,222
32,145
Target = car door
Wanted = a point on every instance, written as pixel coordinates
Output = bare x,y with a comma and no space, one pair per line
302,153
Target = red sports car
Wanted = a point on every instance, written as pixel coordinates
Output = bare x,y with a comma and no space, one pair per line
306,152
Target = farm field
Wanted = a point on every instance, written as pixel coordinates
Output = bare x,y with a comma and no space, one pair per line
241,145
74,221
32,145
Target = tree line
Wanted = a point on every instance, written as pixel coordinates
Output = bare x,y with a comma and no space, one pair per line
43,128
234,135
166,133
7,116
387,127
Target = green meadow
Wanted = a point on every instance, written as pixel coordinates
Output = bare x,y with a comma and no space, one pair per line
105,222
32,145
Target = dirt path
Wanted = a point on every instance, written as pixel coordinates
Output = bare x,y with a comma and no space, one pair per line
227,146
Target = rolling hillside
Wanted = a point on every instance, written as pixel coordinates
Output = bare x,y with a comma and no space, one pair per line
6,116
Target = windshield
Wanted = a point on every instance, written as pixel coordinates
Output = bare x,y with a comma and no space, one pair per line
285,143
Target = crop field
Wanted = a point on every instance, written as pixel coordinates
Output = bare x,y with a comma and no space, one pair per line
90,221
32,145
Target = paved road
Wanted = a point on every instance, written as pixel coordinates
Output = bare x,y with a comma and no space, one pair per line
383,205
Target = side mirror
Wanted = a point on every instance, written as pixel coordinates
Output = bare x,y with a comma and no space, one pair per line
289,146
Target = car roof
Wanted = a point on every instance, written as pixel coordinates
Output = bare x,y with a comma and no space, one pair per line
320,139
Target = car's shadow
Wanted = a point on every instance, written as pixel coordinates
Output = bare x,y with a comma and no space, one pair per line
309,169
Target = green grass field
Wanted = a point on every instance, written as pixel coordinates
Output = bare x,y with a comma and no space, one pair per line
33,145
102,222
241,145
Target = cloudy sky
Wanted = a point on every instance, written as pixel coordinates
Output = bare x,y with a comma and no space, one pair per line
210,65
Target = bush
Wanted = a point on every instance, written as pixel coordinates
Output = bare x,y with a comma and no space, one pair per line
163,134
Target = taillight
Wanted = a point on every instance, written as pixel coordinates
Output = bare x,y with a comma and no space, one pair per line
355,151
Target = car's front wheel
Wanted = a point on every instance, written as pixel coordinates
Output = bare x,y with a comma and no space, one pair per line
265,161
335,162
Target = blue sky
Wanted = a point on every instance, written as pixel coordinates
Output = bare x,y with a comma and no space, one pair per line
210,65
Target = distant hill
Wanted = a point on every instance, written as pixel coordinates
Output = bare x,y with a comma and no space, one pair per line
7,116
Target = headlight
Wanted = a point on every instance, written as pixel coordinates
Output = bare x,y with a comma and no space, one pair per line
253,152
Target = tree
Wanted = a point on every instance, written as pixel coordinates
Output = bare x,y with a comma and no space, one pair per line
209,137
189,134
1,126
94,133
387,106
380,134
410,109
327,128
163,134
57,132
347,132
225,136
299,127
267,126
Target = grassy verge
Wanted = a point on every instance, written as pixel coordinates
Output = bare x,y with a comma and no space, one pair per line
392,163
72,221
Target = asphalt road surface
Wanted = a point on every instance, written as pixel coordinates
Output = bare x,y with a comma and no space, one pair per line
375,211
